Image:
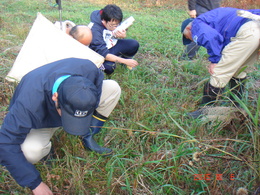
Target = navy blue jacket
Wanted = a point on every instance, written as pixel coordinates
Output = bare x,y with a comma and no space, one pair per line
98,44
32,107
214,29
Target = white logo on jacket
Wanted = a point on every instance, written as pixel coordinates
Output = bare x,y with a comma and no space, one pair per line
195,38
109,38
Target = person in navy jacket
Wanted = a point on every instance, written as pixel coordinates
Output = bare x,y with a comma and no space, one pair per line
69,93
232,43
112,45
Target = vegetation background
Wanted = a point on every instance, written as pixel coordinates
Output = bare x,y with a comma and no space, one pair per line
157,150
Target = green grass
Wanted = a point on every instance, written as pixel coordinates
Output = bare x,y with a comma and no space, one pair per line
155,145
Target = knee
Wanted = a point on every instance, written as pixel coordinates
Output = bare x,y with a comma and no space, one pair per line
113,86
134,45
34,152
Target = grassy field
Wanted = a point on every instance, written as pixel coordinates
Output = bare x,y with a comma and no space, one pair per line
157,149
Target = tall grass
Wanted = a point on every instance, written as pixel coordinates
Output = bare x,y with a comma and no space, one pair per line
157,150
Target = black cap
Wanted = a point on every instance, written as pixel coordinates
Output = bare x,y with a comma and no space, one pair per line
183,26
77,97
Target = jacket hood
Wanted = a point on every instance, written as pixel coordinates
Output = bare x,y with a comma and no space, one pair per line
95,17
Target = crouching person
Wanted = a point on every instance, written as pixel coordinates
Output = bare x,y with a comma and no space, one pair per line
69,93
232,47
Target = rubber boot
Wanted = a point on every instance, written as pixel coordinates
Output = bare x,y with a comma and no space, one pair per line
237,87
88,141
210,94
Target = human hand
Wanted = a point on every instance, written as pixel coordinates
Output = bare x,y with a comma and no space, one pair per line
192,13
42,189
131,63
121,34
211,67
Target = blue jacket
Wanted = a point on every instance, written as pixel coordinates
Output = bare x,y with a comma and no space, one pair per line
98,44
214,29
32,107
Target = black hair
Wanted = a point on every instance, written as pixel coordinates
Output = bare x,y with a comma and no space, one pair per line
112,12
74,32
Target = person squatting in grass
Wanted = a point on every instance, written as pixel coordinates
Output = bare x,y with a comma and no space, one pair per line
232,43
196,8
70,93
112,46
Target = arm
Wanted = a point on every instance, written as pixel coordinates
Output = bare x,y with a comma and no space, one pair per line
12,134
129,62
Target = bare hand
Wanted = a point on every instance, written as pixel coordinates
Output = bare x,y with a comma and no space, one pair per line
42,189
193,13
211,67
121,34
131,63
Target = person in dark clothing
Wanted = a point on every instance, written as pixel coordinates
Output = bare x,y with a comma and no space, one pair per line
196,8
110,44
68,93
232,43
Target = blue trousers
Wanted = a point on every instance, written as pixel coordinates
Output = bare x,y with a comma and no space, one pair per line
125,48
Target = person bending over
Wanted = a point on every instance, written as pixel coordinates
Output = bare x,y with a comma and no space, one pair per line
69,93
232,43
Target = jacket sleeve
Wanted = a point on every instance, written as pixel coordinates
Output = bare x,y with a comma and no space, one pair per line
12,134
206,36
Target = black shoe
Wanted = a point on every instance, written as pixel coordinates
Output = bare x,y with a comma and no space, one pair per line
90,144
196,114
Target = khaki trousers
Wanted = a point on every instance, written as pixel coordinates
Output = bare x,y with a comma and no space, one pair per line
239,56
37,143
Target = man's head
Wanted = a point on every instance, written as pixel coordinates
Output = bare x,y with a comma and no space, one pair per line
82,34
111,16
186,31
76,97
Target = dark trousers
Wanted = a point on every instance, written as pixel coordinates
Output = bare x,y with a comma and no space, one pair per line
125,48
191,50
